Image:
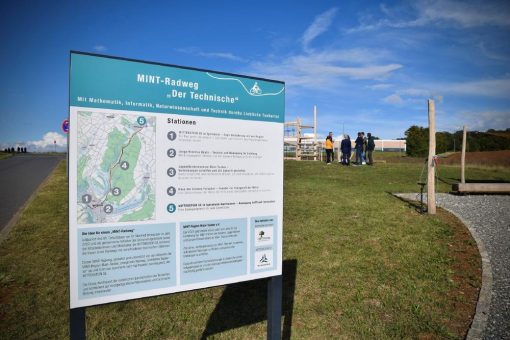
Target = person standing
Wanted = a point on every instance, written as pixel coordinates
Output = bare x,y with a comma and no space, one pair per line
329,148
346,147
358,146
370,149
363,148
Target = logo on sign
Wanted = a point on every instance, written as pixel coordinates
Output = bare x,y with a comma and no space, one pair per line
256,89
263,259
263,236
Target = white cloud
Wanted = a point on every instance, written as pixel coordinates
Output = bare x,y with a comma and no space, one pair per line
492,55
415,92
319,25
464,14
224,55
380,86
499,88
50,141
394,99
493,88
477,120
325,68
197,52
409,95
100,48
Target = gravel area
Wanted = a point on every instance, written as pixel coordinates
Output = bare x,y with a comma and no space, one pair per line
489,217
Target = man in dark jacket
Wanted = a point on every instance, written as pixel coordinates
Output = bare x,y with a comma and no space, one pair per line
346,147
370,149
358,145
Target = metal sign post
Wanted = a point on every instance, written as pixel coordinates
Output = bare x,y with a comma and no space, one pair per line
274,307
77,326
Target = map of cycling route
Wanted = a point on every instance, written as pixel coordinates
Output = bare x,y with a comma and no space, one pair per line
116,167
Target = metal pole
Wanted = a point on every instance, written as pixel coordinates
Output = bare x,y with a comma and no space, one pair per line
77,328
274,307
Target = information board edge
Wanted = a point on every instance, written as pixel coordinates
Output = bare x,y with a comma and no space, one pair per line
168,65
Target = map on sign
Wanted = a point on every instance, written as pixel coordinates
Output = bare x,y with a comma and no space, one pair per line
116,167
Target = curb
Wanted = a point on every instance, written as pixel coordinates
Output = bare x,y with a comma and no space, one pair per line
480,319
484,296
4,233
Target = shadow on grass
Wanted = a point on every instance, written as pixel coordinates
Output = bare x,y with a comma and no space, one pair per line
245,303
457,180
446,180
413,204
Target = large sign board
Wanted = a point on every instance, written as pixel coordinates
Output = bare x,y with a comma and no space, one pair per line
175,178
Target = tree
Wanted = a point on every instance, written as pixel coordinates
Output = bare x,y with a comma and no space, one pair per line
417,140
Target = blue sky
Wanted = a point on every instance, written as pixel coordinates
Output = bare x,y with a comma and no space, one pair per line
368,66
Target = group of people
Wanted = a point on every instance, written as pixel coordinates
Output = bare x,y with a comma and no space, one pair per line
363,146
12,150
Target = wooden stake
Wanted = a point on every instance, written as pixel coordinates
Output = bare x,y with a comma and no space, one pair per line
315,131
463,156
431,183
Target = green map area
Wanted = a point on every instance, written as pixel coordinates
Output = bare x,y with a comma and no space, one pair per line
115,178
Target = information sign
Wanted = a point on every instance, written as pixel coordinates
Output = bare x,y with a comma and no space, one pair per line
175,179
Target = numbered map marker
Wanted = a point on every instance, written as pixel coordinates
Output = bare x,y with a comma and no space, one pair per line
171,153
86,198
108,209
116,191
141,120
171,208
124,165
171,135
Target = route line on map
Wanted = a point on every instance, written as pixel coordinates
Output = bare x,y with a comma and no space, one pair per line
117,163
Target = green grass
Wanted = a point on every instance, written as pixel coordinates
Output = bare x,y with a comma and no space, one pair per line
367,266
4,155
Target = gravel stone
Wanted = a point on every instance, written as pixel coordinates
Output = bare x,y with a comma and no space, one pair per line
489,216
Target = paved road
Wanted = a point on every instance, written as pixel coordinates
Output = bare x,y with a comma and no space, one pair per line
19,177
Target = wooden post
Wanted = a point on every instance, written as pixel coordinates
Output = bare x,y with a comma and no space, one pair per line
431,183
463,156
298,138
315,132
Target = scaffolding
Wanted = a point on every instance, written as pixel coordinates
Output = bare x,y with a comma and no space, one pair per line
303,145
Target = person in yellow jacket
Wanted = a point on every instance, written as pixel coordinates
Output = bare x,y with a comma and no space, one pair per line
329,148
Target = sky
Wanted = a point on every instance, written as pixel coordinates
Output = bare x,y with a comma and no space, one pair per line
368,65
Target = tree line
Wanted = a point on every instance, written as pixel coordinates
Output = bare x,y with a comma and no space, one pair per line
417,141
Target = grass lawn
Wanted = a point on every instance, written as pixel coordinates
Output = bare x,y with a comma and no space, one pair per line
4,155
358,263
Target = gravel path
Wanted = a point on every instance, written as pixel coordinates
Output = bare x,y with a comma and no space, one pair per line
488,218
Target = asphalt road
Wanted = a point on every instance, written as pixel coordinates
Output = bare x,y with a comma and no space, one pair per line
19,177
